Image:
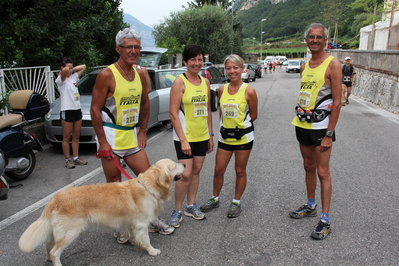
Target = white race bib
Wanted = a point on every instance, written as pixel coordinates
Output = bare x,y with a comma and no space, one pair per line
230,110
130,117
200,109
304,99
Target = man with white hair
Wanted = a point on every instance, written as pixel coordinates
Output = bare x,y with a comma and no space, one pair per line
120,105
318,108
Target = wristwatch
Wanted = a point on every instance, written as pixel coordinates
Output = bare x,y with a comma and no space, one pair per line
329,133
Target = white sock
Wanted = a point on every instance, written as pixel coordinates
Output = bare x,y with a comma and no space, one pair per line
236,201
74,158
215,198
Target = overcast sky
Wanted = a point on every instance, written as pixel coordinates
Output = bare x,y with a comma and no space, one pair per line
150,12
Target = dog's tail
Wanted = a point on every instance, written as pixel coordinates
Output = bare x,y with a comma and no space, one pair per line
36,234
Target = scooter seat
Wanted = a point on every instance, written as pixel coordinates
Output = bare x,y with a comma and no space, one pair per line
10,120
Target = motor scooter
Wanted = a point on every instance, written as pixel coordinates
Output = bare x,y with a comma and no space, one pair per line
4,187
17,143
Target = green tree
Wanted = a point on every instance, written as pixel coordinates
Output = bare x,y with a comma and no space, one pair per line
209,26
374,9
35,32
200,3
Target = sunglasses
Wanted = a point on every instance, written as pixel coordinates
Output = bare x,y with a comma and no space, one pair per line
318,37
130,47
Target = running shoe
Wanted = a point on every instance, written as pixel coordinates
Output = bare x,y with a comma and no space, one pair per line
304,211
194,212
69,164
175,219
321,231
234,210
161,227
79,161
210,205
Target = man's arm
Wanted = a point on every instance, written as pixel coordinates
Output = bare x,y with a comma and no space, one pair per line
102,90
335,80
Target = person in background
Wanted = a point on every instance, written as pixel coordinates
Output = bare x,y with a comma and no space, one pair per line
71,113
191,117
238,110
119,104
320,96
348,80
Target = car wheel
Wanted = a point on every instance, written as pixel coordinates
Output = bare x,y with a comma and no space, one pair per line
214,101
254,78
247,80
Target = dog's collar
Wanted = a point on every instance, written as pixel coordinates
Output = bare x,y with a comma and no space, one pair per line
150,191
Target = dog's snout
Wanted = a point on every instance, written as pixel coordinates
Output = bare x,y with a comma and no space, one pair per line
184,165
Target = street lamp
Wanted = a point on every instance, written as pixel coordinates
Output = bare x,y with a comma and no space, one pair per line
232,25
261,33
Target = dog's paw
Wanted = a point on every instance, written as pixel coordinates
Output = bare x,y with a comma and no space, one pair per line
154,251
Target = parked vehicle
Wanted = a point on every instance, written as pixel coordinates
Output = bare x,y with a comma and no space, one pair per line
248,73
16,142
161,82
293,66
4,187
258,70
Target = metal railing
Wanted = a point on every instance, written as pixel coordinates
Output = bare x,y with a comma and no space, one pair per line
38,79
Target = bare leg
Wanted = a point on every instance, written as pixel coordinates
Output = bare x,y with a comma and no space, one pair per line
75,137
241,161
222,160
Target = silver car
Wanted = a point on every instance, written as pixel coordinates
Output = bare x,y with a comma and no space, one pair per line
249,73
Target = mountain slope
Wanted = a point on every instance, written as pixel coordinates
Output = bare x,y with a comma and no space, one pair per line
147,40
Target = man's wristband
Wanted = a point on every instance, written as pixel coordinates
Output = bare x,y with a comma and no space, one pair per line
144,128
211,134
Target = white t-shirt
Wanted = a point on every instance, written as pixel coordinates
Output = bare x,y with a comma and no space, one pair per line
69,93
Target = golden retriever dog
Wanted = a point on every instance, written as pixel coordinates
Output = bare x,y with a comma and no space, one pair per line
128,205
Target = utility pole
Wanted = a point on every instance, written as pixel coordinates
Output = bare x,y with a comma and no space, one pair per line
261,33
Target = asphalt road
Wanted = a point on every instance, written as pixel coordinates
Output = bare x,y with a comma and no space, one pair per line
364,211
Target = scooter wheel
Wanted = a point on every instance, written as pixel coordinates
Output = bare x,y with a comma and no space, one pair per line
22,174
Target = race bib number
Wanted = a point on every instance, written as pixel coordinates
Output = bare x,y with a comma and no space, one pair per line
347,79
304,99
130,117
230,110
200,109
76,95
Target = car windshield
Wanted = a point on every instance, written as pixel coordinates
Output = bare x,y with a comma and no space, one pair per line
293,63
166,78
86,84
149,59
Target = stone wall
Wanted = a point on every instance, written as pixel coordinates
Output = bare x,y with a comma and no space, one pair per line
377,76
